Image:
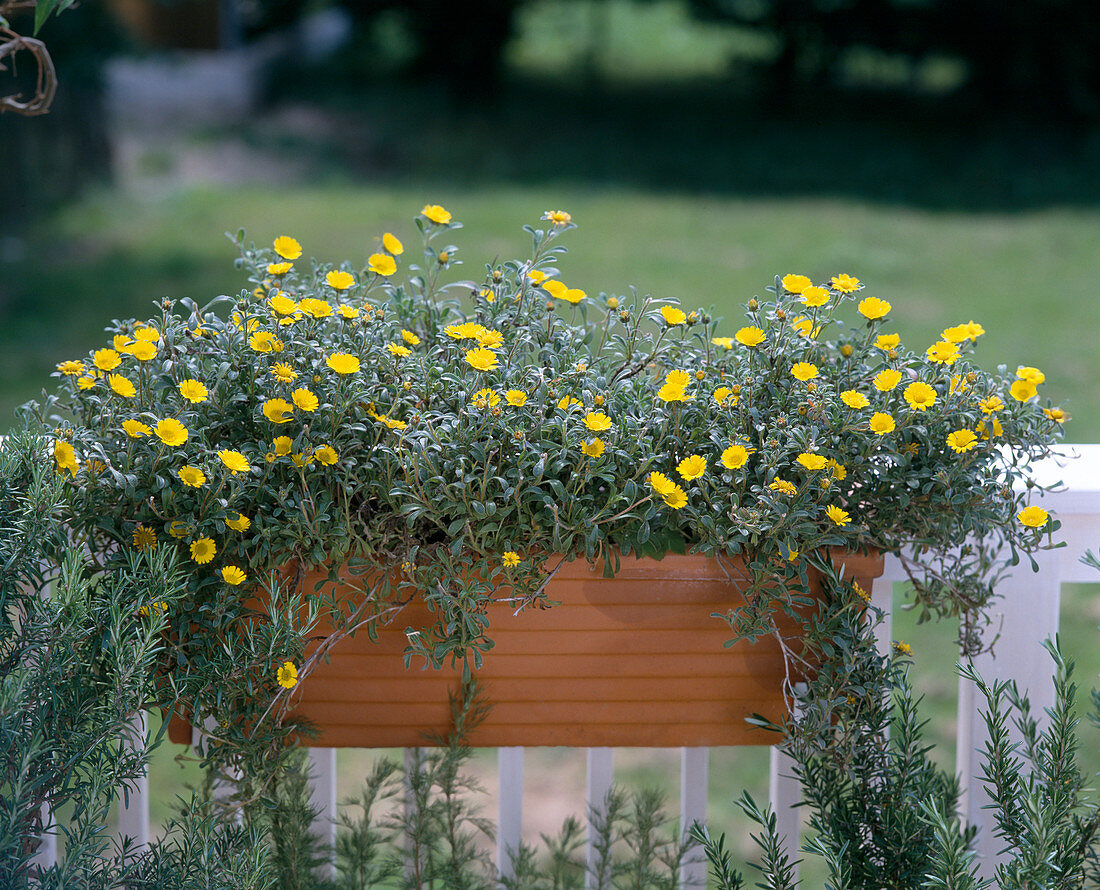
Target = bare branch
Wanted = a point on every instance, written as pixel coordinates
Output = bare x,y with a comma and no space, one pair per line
46,81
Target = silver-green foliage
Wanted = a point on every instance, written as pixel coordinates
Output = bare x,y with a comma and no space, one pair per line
77,652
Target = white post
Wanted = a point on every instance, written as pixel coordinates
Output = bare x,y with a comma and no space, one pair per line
46,854
882,597
133,810
322,780
223,787
784,793
694,779
1026,614
412,763
601,774
510,832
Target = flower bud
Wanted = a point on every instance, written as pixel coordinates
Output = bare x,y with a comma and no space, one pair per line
612,302
443,257
846,350
699,375
497,275
780,314
549,305
624,315
753,305
598,400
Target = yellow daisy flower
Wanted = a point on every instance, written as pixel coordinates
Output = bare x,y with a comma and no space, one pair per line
750,336
692,467
339,280
436,214
854,399
594,448
135,429
122,386
304,399
382,264
672,315
278,410
804,371
962,440
811,461
1033,517
919,395
943,353
193,390
846,284
192,477
815,297
886,380
315,308
783,486
677,498
881,424
342,363
106,359
597,421
287,675
287,247
171,432
234,461
735,457
482,359
873,308
795,284
392,244
283,372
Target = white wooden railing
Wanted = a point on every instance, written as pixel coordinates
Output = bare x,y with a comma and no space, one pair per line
1027,613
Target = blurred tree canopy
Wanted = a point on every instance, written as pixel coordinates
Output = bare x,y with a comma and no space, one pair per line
1032,55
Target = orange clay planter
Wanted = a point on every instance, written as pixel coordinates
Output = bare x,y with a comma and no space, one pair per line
634,660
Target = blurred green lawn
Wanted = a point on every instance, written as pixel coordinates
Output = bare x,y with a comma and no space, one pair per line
1028,277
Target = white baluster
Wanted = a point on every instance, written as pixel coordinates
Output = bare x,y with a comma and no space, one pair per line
510,830
322,780
133,810
1026,614
601,775
694,769
46,854
784,793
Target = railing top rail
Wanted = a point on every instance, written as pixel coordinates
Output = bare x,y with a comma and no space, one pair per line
1077,468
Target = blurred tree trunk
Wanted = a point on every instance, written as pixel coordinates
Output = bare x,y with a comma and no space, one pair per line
463,43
